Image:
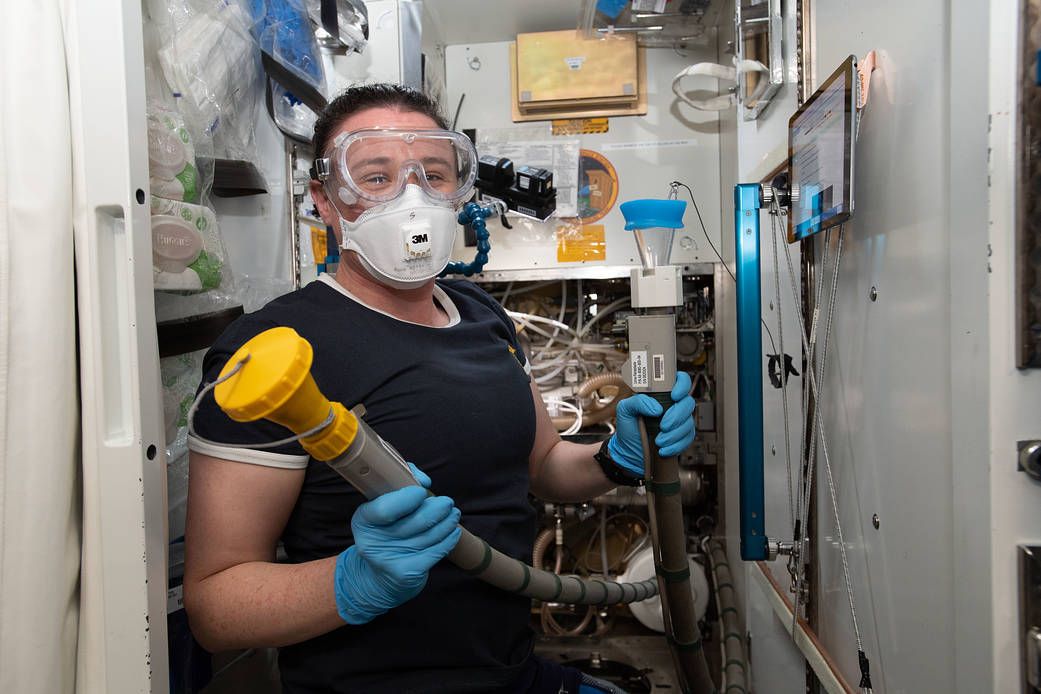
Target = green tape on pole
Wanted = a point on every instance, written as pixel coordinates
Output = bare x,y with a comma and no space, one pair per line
582,585
673,576
735,687
727,609
527,578
664,488
486,561
734,635
560,588
721,586
694,645
733,661
606,590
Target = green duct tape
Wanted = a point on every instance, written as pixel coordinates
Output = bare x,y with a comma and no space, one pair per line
527,578
664,488
674,576
694,645
486,561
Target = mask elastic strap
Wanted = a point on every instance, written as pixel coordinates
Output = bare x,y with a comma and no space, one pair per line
271,444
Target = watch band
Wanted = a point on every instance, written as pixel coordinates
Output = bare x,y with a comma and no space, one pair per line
612,470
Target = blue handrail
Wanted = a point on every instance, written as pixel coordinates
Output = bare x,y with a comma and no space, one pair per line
747,203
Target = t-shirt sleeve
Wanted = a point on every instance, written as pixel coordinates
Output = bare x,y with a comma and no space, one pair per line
216,431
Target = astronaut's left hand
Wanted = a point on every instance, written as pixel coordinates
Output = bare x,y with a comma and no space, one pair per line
677,426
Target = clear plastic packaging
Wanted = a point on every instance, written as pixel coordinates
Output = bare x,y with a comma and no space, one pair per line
286,34
210,62
291,115
171,156
352,24
187,251
180,377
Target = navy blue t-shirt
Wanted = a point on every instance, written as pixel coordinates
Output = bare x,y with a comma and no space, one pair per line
454,400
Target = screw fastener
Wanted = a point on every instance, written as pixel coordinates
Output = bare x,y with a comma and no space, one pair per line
1030,458
876,521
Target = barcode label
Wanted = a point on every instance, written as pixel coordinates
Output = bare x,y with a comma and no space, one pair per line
658,367
657,6
638,361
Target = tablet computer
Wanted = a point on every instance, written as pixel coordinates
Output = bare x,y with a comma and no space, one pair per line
821,137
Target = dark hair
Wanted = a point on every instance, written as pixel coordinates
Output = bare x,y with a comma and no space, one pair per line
359,98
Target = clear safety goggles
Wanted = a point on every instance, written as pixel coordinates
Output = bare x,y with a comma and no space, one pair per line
375,164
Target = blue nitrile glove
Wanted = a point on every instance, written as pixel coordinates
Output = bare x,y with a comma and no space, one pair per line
677,426
398,537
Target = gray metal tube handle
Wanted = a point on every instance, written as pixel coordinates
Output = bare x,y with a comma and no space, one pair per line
373,467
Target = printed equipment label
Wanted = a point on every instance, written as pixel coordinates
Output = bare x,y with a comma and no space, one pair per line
639,366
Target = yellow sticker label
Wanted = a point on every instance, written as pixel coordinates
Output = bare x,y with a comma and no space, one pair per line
579,126
580,243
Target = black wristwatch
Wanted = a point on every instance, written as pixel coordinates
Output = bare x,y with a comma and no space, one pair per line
613,471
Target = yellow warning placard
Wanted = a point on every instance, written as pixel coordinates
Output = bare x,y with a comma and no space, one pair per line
579,126
581,243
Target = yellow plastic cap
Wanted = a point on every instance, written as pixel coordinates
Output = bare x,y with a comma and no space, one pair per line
274,383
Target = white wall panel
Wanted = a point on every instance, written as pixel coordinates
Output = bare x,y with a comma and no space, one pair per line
642,172
1015,396
888,383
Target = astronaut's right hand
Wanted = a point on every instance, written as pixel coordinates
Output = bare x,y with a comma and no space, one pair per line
398,537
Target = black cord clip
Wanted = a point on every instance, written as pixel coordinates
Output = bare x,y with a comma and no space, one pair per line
865,670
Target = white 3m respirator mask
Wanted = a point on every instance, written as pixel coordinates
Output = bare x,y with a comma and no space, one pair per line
406,241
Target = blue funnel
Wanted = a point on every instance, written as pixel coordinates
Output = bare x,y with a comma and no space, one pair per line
647,214
653,223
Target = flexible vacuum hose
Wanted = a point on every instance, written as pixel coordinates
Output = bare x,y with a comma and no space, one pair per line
665,508
597,411
477,558
735,668
549,623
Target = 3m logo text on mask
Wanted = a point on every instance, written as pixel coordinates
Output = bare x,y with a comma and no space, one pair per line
417,239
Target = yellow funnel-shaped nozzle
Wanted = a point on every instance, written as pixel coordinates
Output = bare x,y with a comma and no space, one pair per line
275,383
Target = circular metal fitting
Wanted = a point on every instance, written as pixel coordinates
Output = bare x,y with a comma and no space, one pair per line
1030,458
777,547
766,195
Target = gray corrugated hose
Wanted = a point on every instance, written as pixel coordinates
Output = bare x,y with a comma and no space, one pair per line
477,558
597,412
665,507
735,669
